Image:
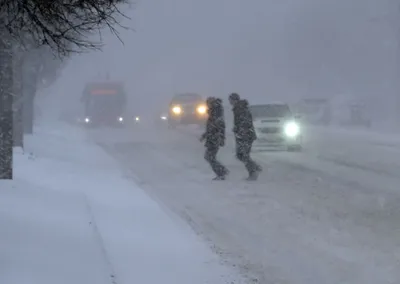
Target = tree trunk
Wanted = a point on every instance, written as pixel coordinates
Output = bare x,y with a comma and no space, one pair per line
29,91
6,113
18,103
18,126
28,113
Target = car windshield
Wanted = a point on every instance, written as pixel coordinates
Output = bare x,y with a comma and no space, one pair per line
187,98
270,111
111,100
105,105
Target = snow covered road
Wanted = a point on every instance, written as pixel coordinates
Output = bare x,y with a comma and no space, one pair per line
327,215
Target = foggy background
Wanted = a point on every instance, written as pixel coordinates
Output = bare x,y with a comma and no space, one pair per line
264,50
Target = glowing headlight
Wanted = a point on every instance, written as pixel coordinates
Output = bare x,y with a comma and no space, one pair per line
87,120
176,110
292,129
163,117
120,119
137,118
201,109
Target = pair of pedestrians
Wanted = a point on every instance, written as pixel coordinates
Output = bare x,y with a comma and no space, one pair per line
243,130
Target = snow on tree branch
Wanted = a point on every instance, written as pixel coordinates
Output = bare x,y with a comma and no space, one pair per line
63,25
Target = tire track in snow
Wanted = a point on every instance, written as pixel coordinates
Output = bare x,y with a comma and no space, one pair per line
326,223
327,165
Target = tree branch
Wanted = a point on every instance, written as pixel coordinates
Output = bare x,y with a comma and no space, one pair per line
63,25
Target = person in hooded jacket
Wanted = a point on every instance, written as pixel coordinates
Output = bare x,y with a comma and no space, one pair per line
214,136
245,134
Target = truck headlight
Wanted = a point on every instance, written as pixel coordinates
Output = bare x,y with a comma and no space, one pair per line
202,109
291,129
176,110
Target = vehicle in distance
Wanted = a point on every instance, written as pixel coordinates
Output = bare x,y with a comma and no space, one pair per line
186,109
104,104
352,115
315,111
276,126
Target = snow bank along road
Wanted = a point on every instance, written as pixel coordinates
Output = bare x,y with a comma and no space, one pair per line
70,217
328,215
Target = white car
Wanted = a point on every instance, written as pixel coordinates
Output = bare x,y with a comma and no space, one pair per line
276,126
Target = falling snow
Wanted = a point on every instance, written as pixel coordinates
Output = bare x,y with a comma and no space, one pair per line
107,158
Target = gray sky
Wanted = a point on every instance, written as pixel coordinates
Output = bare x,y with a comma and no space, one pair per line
261,49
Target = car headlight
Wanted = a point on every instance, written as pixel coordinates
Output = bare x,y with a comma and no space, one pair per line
163,117
291,129
176,110
137,118
87,119
120,119
202,109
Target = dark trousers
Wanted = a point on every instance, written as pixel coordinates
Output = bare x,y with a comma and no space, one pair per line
243,149
211,157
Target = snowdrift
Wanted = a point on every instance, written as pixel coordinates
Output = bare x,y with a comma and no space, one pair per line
70,216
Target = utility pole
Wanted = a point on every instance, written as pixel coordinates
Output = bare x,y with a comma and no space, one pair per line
6,103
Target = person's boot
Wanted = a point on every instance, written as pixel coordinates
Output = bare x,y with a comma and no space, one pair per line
223,175
219,178
253,176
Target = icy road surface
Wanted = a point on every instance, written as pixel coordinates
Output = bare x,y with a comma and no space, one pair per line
328,215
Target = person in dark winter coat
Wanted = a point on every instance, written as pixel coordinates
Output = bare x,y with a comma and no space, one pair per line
245,134
214,136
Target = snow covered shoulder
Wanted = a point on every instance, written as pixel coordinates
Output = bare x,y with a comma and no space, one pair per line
70,217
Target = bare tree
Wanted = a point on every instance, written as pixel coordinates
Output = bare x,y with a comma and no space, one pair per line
18,60
63,26
6,113
49,68
33,70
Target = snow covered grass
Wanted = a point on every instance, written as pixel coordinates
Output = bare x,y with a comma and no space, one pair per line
69,216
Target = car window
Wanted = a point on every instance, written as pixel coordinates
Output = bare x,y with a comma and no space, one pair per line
270,111
187,98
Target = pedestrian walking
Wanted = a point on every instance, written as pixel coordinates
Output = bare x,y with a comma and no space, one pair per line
214,136
245,134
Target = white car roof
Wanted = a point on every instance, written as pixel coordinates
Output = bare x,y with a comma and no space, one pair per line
269,104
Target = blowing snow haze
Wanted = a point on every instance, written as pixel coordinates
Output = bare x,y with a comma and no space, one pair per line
263,49
294,179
